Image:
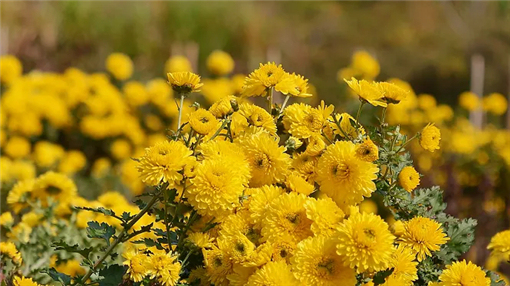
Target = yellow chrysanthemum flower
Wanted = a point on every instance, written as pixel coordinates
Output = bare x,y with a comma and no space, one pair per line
315,262
423,236
500,244
303,121
202,121
257,117
366,64
315,145
220,63
469,101
282,249
396,281
165,268
260,80
216,187
296,183
72,162
306,166
6,219
259,200
367,91
184,82
408,178
325,215
139,264
223,107
119,65
495,103
269,163
241,249
17,147
164,162
344,177
58,187
367,151
392,93
294,85
200,240
19,194
218,264
178,64
365,243
430,137
23,281
10,68
9,249
404,265
273,274
347,128
465,274
286,215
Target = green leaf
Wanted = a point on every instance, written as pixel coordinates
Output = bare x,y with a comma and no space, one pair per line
57,276
62,245
380,276
113,275
496,280
102,210
103,231
461,234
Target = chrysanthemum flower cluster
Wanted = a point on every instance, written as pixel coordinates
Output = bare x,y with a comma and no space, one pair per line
240,194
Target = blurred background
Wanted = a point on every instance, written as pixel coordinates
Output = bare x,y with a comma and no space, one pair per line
441,49
429,44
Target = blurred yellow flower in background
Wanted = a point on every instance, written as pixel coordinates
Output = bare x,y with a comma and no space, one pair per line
10,69
178,64
220,63
119,65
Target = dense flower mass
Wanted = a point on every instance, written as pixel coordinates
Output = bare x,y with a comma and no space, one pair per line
228,194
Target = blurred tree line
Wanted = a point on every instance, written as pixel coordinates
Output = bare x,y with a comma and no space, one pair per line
429,44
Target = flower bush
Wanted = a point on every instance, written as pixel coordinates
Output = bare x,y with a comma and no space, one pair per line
236,194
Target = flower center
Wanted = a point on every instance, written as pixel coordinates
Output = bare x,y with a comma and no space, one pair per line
52,190
341,170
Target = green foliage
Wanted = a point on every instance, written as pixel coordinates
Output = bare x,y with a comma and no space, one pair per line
62,245
112,275
461,234
57,276
102,231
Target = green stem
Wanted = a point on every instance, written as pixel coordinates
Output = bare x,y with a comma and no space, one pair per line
166,218
119,238
186,258
188,225
270,100
180,114
359,111
383,117
284,104
225,122
407,142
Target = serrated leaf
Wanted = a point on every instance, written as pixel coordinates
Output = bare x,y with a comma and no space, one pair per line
102,210
126,216
57,276
112,275
62,245
103,231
